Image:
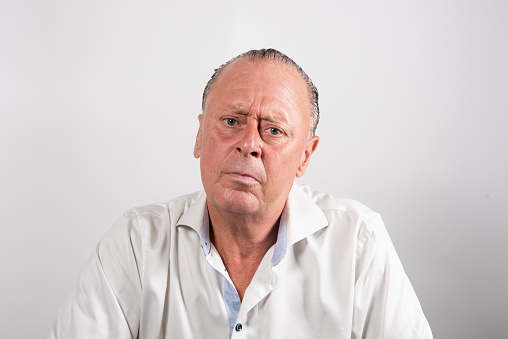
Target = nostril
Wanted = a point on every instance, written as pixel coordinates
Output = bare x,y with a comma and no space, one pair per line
249,150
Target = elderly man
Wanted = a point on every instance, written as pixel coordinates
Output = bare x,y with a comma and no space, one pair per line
254,255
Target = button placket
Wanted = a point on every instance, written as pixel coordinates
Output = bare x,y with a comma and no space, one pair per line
238,327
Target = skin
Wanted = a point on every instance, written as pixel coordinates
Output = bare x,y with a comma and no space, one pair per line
252,141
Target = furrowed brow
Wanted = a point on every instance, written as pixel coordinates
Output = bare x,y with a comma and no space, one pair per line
277,117
242,109
238,109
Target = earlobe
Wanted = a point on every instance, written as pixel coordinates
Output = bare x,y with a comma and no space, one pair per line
197,148
197,145
310,148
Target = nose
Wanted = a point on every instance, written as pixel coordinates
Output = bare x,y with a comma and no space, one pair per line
249,142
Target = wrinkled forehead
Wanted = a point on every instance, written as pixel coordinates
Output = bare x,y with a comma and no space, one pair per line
260,65
236,73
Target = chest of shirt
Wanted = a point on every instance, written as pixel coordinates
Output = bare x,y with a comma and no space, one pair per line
308,294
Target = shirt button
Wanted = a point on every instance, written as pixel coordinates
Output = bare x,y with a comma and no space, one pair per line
238,327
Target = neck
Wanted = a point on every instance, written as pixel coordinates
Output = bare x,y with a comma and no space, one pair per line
242,240
242,243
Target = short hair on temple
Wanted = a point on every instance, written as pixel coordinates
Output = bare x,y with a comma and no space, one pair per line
275,55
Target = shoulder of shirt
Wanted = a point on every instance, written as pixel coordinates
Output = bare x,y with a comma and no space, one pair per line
161,209
344,213
328,202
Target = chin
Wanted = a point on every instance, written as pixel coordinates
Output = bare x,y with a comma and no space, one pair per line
238,202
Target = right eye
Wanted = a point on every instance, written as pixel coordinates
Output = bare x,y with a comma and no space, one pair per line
230,121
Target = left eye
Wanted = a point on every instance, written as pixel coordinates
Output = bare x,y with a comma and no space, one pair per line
274,131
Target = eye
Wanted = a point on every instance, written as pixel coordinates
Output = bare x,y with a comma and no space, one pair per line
230,121
274,131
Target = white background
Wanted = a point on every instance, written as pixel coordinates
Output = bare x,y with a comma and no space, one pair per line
98,113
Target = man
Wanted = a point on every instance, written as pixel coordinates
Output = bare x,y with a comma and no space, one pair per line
254,255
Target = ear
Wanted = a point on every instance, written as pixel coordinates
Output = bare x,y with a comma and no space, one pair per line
197,146
304,161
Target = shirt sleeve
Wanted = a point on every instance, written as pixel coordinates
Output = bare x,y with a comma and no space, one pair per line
385,304
105,303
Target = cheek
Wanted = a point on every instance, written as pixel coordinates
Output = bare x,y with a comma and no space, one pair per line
213,152
282,164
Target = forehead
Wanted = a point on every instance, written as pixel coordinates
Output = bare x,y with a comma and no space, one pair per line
249,80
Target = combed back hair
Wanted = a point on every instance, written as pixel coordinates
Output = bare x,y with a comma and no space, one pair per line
274,55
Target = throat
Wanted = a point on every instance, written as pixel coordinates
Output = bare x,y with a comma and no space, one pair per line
242,275
242,258
242,245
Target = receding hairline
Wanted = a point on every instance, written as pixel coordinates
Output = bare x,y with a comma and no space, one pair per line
276,59
269,63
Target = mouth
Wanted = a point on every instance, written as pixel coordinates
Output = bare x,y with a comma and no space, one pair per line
243,178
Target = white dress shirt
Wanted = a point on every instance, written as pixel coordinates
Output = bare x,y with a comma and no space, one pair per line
333,273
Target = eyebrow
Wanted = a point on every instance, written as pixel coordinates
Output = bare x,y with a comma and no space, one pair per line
241,109
238,108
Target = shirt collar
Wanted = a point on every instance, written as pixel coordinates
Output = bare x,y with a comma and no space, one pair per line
205,233
304,216
193,215
300,218
280,244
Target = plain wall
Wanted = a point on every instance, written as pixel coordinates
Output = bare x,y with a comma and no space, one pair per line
98,113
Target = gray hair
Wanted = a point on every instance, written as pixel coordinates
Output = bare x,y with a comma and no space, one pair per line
272,54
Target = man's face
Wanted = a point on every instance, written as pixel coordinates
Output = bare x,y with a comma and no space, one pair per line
254,137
